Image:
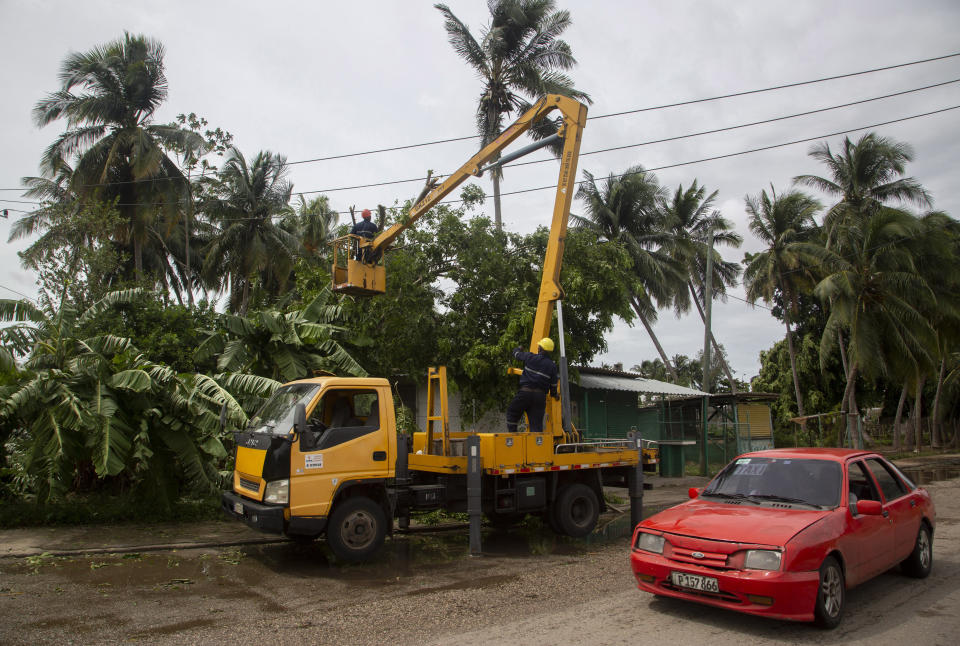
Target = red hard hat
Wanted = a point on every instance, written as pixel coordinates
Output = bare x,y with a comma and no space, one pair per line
366,213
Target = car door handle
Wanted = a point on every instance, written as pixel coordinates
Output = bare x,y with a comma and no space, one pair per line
913,503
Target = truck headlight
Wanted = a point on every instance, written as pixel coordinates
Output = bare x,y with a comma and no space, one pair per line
762,560
650,543
277,492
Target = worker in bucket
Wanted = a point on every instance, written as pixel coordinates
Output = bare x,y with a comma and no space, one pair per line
539,377
365,228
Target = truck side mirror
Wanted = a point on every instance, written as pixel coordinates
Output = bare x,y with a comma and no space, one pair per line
307,441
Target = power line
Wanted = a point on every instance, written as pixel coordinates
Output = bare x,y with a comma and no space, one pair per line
760,149
602,116
656,168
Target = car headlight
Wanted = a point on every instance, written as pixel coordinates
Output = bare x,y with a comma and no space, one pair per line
650,543
277,492
762,560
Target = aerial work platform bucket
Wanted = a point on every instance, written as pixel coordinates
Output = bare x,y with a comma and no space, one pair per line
355,269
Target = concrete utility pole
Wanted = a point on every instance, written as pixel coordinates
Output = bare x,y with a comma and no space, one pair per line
707,303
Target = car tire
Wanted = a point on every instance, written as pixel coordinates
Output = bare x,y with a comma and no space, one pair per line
357,529
920,561
577,509
831,595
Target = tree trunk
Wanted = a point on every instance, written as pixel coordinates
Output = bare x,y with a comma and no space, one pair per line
843,355
793,369
899,417
847,401
935,435
713,340
656,342
918,413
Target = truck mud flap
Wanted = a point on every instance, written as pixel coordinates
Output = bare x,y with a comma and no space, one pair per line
266,518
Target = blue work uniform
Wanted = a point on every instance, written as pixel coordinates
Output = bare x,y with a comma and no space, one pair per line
539,376
366,229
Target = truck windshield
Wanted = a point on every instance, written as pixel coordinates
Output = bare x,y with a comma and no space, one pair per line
276,416
785,480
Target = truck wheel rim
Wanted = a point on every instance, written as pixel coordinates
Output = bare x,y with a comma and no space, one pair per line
581,512
358,529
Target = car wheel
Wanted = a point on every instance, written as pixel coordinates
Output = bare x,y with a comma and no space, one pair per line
357,529
830,595
577,510
920,561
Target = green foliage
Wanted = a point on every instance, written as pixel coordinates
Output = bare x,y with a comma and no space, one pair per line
92,412
168,334
282,347
74,252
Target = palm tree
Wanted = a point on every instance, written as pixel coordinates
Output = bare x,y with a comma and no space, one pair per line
780,221
119,153
865,176
314,222
519,58
242,202
624,211
875,293
693,228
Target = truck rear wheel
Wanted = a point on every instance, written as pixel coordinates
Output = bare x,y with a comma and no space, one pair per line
576,510
357,529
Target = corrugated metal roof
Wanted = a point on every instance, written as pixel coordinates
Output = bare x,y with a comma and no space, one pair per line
639,385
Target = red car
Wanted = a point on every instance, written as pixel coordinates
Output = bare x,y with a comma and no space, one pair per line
785,533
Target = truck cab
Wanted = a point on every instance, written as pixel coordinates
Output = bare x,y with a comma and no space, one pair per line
291,475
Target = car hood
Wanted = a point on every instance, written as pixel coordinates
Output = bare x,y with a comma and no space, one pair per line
743,523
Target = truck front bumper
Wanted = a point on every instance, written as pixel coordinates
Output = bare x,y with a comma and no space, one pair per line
266,518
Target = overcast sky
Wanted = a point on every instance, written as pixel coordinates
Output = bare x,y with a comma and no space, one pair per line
314,79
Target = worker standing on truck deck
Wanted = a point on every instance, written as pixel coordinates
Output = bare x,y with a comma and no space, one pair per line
538,377
365,228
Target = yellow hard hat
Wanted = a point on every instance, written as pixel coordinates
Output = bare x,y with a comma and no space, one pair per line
546,343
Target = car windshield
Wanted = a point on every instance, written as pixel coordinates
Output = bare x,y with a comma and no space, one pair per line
276,416
786,480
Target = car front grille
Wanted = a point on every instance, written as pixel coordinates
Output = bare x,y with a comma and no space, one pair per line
252,485
709,559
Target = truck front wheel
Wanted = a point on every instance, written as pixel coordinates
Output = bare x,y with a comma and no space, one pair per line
576,510
357,529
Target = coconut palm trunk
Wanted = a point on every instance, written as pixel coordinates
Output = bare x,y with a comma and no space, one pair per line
849,403
656,342
899,417
918,414
935,432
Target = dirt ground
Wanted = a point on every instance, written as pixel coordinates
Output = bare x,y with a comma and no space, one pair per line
529,587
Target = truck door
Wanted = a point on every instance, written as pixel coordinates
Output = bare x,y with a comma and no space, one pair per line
351,445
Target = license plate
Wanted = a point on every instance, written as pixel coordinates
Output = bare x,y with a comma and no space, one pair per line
694,582
238,508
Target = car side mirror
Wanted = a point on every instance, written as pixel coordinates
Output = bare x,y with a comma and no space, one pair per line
307,441
869,507
693,492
